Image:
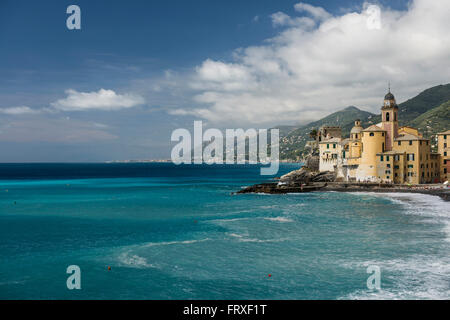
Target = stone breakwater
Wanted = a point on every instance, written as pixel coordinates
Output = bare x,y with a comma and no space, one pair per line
305,180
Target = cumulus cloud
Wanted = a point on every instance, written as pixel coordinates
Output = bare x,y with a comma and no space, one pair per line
18,110
281,19
317,12
313,68
100,100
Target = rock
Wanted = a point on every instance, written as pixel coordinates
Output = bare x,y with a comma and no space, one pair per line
305,175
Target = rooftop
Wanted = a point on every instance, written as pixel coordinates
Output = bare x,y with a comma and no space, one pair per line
373,128
331,140
408,136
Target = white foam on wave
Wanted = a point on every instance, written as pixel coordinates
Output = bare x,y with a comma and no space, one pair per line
128,259
424,276
417,277
279,219
260,240
166,243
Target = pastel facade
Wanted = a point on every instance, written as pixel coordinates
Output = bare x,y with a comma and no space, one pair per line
385,152
443,149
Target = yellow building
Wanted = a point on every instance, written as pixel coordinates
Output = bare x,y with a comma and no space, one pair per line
443,149
385,152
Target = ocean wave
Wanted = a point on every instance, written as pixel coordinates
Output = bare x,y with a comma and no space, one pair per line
419,277
425,276
128,259
167,243
279,219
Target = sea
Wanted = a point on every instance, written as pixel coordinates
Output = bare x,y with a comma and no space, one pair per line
161,231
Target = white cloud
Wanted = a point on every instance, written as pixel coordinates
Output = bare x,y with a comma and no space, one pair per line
308,71
101,100
317,12
281,19
18,110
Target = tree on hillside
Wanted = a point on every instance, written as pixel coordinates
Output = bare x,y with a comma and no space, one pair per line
313,134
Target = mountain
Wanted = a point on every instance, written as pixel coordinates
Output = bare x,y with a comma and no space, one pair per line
433,121
428,111
293,143
425,101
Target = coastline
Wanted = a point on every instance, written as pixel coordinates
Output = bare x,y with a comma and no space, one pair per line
275,188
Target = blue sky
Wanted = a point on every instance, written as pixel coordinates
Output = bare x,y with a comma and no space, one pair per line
157,62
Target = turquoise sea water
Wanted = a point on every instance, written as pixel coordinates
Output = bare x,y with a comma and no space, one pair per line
176,232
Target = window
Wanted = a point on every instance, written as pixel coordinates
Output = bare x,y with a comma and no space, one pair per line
445,136
396,167
387,116
410,166
445,145
388,165
410,157
445,153
334,146
382,146
396,174
420,142
387,158
427,142
371,134
328,146
410,142
388,171
381,158
399,143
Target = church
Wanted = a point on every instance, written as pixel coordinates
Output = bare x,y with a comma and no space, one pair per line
382,152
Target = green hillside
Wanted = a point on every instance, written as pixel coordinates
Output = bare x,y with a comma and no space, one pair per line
425,101
433,121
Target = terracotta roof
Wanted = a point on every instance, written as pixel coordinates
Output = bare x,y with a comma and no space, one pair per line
373,127
445,132
408,136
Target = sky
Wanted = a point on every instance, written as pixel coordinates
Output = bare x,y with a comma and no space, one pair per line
137,69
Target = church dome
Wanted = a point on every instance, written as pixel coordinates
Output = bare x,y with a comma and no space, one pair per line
389,96
356,130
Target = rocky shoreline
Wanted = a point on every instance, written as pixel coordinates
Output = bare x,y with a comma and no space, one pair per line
306,180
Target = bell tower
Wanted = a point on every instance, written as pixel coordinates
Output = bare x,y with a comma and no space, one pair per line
389,116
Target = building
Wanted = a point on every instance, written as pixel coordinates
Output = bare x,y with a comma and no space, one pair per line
384,152
443,139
